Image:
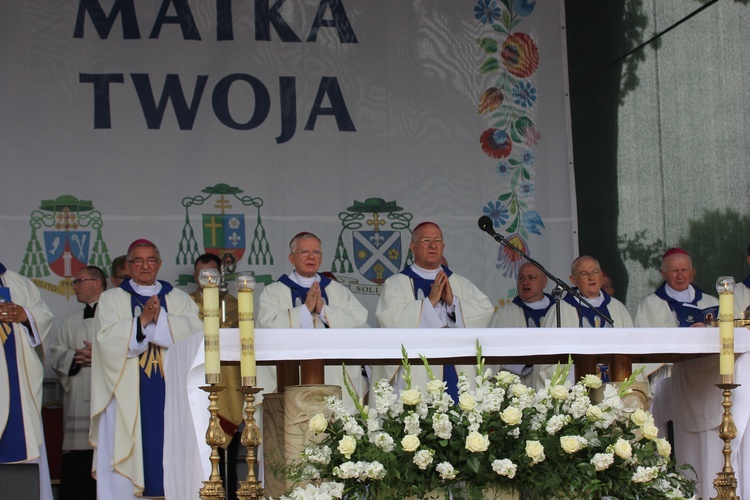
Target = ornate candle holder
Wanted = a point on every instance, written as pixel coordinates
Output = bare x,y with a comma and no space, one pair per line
213,489
250,488
725,483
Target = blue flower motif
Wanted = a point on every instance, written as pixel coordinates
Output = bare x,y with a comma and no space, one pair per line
503,169
487,11
524,94
532,221
527,157
523,7
497,212
526,189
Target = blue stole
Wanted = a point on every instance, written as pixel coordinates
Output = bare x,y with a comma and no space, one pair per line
151,391
745,282
685,315
421,288
299,293
533,316
13,440
587,317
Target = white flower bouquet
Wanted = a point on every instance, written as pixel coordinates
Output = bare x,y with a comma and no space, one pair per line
500,434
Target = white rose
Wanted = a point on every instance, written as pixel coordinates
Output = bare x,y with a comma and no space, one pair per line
663,447
518,390
592,381
535,451
640,417
594,413
511,415
504,378
477,442
347,445
411,397
467,402
318,423
410,442
623,449
650,431
571,444
559,392
435,386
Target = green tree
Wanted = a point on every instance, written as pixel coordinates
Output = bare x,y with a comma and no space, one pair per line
717,242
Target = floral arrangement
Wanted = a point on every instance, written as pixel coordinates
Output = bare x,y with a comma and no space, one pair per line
500,436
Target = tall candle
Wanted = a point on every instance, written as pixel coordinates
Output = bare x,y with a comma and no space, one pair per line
725,287
246,315
209,281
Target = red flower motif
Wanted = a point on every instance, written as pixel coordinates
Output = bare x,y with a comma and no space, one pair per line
496,143
490,100
520,55
508,261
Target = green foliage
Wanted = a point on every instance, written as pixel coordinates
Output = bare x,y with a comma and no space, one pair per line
717,243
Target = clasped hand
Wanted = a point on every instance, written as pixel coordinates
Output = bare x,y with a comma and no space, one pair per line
314,301
441,290
12,313
151,310
83,355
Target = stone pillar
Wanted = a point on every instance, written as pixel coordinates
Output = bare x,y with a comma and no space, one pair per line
301,403
273,444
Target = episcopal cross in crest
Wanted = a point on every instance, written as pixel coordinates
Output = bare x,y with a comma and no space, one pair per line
377,246
224,232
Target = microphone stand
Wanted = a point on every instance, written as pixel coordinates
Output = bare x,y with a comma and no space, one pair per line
485,224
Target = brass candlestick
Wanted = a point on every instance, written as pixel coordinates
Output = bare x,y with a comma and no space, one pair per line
213,489
250,488
725,483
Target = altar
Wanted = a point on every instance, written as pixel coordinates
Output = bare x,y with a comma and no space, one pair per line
688,398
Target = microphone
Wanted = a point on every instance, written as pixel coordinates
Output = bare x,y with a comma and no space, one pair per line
485,224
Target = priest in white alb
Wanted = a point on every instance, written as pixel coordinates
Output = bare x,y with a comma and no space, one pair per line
527,310
306,299
137,322
427,294
70,357
25,322
677,302
586,275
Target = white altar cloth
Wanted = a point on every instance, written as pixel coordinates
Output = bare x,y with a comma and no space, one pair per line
186,453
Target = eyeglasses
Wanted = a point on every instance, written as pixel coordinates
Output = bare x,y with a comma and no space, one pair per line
586,274
81,280
307,253
139,262
429,241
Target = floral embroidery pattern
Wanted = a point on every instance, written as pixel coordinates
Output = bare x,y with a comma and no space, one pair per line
509,104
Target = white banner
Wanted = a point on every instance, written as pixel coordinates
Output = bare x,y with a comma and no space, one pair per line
233,125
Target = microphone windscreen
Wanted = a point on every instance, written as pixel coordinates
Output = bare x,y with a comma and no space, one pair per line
485,224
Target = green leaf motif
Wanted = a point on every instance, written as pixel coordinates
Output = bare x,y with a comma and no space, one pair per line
504,197
514,134
500,29
513,226
523,123
473,463
489,45
491,65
